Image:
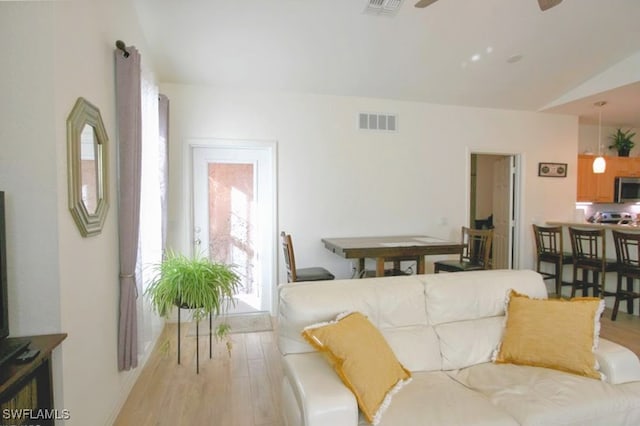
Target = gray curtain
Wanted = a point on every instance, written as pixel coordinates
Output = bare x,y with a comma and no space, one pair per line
129,111
163,119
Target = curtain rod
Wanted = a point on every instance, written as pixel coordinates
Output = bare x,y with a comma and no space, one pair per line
120,45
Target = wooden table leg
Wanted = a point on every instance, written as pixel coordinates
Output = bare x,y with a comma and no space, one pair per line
380,267
360,271
420,265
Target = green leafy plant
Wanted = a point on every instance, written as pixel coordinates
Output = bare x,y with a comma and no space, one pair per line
195,283
622,141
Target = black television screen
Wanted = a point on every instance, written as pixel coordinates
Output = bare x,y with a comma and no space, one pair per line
4,305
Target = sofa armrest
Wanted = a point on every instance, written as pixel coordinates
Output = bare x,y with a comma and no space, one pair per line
618,363
314,395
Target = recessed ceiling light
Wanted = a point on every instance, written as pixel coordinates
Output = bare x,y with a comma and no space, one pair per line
476,57
514,58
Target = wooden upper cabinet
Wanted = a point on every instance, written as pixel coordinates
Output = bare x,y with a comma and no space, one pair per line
599,188
626,166
606,184
587,182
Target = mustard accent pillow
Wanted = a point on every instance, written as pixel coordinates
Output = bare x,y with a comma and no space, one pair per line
555,333
362,358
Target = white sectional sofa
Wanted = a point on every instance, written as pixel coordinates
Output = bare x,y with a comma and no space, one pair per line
444,328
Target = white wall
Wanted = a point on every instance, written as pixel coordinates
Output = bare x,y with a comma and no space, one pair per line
54,53
588,140
335,180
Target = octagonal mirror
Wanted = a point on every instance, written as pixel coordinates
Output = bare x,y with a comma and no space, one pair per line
87,167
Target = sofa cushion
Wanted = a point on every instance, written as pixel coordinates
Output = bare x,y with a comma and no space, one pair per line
553,333
476,294
416,347
363,360
433,399
465,343
467,311
542,396
395,305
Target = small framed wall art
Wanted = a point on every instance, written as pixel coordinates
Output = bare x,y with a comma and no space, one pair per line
552,169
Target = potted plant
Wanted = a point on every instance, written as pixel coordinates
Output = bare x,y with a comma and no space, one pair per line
194,283
622,142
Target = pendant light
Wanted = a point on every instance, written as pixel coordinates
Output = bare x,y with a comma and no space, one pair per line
599,164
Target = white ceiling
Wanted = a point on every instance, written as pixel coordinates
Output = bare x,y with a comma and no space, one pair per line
332,47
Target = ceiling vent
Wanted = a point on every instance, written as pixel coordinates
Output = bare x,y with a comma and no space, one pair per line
375,121
383,7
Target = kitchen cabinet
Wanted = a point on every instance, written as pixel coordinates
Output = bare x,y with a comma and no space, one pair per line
625,166
599,188
596,188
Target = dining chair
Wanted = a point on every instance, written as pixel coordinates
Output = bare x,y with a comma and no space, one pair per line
628,266
294,274
590,265
475,254
549,249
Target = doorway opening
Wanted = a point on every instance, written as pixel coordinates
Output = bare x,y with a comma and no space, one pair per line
494,200
234,215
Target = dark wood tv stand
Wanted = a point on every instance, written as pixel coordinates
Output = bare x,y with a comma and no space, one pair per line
29,386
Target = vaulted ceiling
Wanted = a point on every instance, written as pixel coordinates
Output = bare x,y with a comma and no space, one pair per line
484,53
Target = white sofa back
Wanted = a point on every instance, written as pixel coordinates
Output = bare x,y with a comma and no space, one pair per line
432,322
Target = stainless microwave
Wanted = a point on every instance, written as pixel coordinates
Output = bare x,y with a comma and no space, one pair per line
627,190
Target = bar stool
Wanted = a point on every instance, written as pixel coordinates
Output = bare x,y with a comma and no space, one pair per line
628,258
549,249
589,249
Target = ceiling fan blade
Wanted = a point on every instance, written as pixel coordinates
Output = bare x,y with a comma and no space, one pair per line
425,3
548,4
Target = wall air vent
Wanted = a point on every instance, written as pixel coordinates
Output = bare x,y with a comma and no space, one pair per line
383,7
376,121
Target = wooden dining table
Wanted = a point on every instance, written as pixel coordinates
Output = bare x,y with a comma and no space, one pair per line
391,248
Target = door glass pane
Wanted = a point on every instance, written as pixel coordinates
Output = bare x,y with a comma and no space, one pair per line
231,219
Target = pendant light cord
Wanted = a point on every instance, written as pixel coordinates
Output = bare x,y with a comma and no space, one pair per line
600,105
600,130
599,164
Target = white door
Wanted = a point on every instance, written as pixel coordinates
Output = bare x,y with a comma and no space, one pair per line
233,214
503,177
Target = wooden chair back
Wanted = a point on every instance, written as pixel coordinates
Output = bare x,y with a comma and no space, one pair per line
548,240
289,258
588,247
627,250
550,249
477,246
628,269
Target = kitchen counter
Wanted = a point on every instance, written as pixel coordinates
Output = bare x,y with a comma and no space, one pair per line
596,225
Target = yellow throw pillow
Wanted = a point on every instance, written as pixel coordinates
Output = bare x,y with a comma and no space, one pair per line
554,333
362,358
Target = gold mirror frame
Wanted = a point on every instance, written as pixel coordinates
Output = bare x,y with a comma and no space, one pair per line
89,221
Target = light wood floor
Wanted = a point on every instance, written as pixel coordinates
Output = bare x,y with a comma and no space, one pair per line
243,389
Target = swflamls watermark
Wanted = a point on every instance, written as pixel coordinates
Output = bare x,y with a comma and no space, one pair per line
34,415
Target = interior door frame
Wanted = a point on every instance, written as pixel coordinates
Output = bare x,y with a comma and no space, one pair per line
269,293
517,188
